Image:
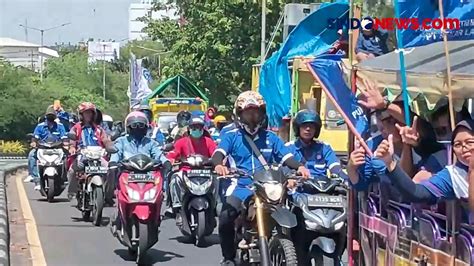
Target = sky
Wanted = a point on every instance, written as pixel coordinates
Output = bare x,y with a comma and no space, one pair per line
98,19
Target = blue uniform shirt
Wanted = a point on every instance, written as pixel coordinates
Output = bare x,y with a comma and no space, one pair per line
56,132
127,147
450,183
88,137
376,44
234,144
318,158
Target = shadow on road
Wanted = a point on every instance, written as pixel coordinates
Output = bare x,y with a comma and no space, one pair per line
153,256
105,220
208,241
54,200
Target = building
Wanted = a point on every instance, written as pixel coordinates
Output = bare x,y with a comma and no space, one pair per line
142,9
25,54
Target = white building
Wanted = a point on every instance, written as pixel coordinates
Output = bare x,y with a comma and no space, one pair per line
142,9
25,54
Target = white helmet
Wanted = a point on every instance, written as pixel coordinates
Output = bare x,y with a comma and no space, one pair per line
107,118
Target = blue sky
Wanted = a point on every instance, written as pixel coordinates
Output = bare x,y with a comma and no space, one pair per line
99,19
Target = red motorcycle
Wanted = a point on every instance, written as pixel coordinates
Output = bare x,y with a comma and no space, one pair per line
139,205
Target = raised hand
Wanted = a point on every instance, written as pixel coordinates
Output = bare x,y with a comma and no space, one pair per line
371,96
385,152
357,157
408,134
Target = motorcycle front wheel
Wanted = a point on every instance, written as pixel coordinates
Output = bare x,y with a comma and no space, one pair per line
98,205
143,242
282,252
50,195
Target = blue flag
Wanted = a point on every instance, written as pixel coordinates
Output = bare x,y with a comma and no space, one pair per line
311,37
329,71
428,9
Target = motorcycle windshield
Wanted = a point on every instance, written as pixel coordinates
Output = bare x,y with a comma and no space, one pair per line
50,144
139,162
267,176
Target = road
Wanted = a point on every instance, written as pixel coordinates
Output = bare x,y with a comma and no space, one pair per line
67,240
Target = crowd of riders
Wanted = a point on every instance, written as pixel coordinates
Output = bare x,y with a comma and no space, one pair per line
411,159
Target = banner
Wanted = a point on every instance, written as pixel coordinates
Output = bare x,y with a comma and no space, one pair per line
107,51
138,88
329,71
428,9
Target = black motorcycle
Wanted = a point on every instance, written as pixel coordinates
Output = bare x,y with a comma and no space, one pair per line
263,228
198,199
322,213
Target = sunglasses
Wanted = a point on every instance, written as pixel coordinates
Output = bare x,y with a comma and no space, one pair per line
138,125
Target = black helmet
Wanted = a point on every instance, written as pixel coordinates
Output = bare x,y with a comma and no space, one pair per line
306,116
183,118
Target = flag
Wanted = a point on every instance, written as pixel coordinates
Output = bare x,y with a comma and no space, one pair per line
138,89
329,71
147,75
428,9
311,37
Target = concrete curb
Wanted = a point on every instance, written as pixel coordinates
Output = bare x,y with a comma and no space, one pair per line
4,222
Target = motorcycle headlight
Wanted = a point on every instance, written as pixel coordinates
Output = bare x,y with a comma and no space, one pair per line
149,195
198,189
50,156
273,191
93,154
133,194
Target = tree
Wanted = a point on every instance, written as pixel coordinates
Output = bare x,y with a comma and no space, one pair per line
216,44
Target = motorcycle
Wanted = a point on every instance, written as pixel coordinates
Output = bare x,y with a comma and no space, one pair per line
322,213
90,196
52,168
263,228
198,199
140,197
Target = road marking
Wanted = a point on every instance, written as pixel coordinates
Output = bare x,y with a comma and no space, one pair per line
36,251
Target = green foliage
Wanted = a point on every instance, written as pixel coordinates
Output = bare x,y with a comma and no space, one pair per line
216,44
12,148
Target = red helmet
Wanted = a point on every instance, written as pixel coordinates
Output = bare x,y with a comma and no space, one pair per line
85,106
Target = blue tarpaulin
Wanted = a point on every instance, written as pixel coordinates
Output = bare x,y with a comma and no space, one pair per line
311,37
424,9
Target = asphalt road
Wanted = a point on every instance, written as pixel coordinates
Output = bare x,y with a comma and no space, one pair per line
67,240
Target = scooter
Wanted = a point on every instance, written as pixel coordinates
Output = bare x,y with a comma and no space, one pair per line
198,198
90,197
322,213
139,197
263,228
52,168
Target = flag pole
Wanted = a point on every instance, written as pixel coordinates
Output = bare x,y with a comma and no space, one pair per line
451,115
403,76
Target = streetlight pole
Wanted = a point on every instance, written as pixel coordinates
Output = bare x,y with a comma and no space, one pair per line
42,42
262,44
103,75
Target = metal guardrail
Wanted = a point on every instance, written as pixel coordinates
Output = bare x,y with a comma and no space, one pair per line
7,167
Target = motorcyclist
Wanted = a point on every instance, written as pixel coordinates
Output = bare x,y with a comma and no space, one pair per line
209,116
219,122
250,112
107,123
181,129
87,133
50,129
318,157
153,131
197,143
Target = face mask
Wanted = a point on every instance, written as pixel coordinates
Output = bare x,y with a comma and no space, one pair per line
138,133
195,133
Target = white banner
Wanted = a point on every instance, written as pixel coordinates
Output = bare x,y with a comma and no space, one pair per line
138,89
107,51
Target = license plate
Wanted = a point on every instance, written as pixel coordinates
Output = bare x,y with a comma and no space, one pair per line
139,178
199,172
96,170
325,201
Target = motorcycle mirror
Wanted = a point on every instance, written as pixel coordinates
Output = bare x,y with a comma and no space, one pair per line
168,147
111,150
72,136
115,135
